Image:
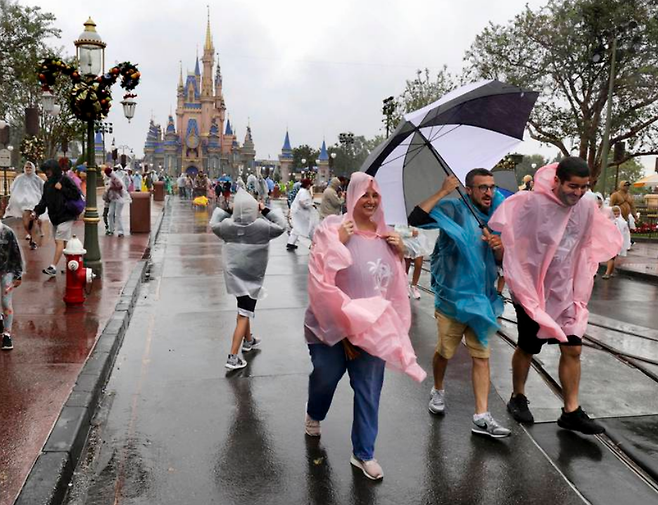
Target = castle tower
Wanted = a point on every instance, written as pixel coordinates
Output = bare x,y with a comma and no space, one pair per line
207,95
248,150
214,152
323,164
171,148
285,159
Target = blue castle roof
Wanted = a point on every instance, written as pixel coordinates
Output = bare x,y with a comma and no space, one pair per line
196,67
170,125
229,130
324,156
286,143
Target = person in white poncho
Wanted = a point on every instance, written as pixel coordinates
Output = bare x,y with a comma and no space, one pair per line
245,256
303,215
26,192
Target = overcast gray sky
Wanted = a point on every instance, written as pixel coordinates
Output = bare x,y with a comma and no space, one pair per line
316,67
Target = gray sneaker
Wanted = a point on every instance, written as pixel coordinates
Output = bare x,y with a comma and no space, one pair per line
437,401
234,362
248,345
490,427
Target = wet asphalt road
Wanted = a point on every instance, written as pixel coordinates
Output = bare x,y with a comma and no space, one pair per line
175,427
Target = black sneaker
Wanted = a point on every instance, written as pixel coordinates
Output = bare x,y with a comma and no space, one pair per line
50,271
578,420
7,344
518,407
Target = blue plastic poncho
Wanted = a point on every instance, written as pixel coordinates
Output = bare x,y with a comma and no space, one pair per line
464,268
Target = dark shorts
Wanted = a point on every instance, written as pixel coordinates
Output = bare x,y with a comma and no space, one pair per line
528,329
246,306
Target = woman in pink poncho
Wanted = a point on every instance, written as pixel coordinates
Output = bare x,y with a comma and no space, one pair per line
554,241
358,300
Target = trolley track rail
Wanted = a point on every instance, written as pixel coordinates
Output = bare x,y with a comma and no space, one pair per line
646,473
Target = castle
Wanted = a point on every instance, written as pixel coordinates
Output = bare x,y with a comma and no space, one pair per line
201,137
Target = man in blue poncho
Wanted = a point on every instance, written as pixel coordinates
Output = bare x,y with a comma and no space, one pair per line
463,280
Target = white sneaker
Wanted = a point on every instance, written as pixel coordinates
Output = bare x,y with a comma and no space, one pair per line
415,293
311,426
409,291
437,401
370,468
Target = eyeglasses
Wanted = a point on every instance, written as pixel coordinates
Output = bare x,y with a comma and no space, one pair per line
483,188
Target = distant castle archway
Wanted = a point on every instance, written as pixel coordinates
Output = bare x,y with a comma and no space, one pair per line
191,170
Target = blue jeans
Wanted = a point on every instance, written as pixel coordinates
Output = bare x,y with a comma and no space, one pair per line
366,379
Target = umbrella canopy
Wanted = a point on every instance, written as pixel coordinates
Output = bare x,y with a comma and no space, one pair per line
650,181
471,127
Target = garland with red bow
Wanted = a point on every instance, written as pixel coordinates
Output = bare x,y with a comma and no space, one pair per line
91,97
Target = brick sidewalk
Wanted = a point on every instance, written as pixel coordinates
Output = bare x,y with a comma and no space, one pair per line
52,342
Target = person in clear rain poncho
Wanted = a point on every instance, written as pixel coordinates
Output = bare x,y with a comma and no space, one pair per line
303,215
26,191
245,256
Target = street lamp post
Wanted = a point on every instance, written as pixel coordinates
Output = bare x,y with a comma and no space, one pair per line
597,57
346,140
90,101
4,171
388,109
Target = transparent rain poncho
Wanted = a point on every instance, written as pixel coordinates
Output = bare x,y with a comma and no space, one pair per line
463,267
247,238
303,215
552,252
358,291
26,192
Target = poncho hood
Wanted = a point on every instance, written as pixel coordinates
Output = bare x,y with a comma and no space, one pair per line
245,208
359,184
334,183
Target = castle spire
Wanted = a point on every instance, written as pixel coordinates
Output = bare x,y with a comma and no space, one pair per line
180,75
208,45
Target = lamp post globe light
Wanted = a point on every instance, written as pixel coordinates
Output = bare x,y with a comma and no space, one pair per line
90,101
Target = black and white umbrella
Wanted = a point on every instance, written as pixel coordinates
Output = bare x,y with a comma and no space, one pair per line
474,126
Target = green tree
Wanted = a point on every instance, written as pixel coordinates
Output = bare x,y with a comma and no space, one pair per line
630,171
23,34
350,157
422,91
529,165
305,152
551,50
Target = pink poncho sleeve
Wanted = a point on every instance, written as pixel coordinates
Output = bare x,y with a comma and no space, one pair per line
376,325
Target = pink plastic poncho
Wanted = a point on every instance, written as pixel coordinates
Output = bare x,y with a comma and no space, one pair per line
552,252
377,324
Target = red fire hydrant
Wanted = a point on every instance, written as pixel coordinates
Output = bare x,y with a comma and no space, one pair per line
77,276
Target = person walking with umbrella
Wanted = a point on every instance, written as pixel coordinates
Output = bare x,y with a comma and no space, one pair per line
554,241
464,271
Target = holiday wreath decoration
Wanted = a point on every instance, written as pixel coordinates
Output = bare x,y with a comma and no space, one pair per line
91,96
32,149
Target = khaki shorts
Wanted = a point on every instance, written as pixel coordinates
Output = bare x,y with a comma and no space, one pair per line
450,336
63,231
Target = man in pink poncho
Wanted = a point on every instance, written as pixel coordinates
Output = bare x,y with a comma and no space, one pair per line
359,316
554,241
